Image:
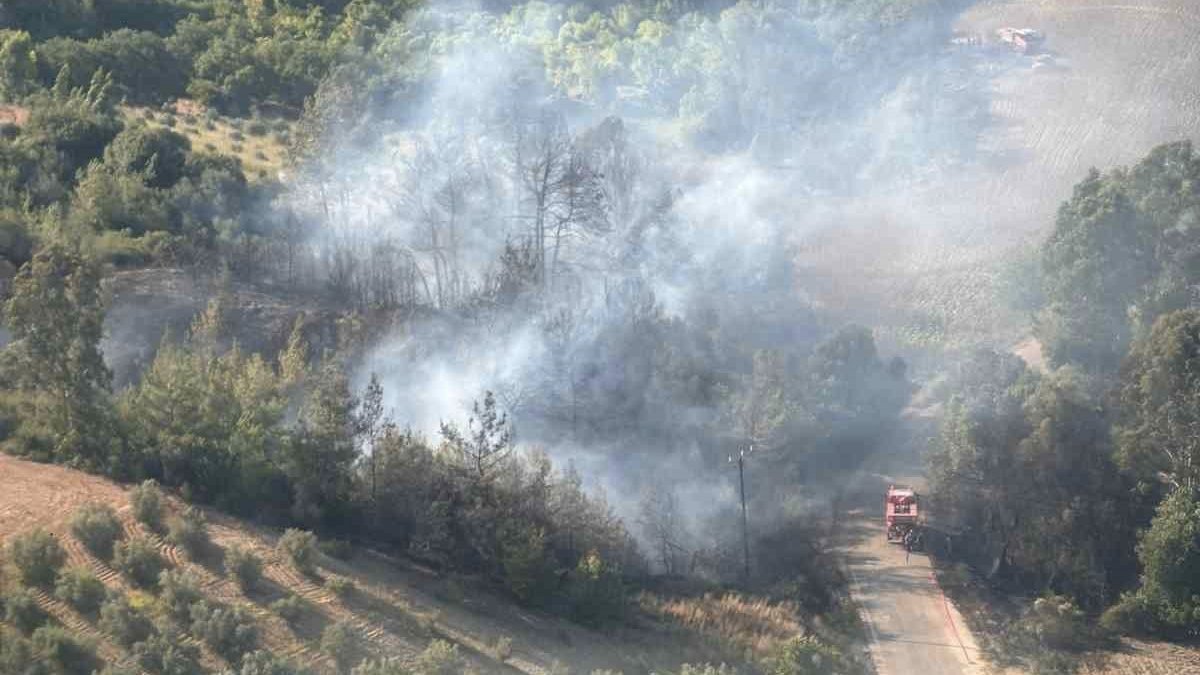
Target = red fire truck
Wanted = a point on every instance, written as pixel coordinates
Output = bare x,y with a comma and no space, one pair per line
900,511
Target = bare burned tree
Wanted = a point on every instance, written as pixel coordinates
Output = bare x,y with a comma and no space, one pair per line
660,521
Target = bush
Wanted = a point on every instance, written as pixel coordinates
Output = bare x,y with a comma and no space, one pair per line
339,586
147,502
22,611
97,527
125,623
336,548
37,557
81,589
440,658
170,121
706,669
64,653
167,655
503,648
16,654
597,595
1056,623
230,631
1133,614
178,591
290,609
190,532
262,662
257,128
237,148
804,655
237,137
138,560
245,566
300,547
388,666
340,643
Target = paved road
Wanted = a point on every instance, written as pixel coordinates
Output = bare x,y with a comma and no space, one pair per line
913,628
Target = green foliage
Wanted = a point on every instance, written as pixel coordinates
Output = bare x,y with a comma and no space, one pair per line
290,609
139,561
189,531
245,566
158,154
81,589
147,502
18,64
527,571
127,624
22,611
1159,392
55,313
1170,555
63,652
97,527
339,586
597,594
804,655
300,548
179,590
440,658
707,669
262,662
37,556
167,655
230,631
17,655
339,641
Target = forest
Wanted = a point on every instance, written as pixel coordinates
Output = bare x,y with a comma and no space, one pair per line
534,313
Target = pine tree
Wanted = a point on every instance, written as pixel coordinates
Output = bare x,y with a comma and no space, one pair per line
56,315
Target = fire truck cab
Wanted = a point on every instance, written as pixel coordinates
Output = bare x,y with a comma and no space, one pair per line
900,511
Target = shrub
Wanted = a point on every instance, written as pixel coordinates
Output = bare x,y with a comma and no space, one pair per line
262,662
388,666
336,548
706,669
244,565
804,655
178,591
339,642
300,547
125,623
138,560
502,649
339,586
64,653
1056,623
81,589
230,631
440,658
597,595
37,557
290,609
1133,614
237,136
190,532
167,655
16,654
170,121
210,147
147,502
22,611
257,128
97,527
237,148
209,125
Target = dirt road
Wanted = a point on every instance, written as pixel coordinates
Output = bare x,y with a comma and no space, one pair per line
912,627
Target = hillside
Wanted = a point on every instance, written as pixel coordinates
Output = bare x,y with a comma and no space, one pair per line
396,607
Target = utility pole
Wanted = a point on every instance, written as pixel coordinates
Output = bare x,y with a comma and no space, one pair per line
741,465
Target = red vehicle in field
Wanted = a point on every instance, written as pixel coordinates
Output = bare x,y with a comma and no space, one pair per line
900,511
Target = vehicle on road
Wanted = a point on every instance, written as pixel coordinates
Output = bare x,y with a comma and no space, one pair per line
901,513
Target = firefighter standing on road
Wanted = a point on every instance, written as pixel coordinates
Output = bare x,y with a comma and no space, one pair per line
908,545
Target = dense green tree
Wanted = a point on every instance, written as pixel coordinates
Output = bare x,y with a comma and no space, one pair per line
56,315
18,64
1159,426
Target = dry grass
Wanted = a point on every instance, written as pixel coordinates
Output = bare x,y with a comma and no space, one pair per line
746,623
262,156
